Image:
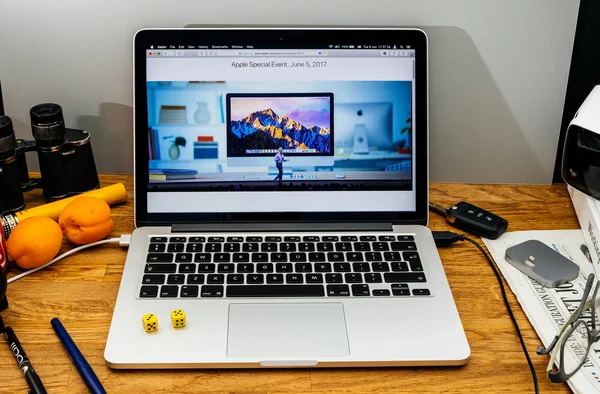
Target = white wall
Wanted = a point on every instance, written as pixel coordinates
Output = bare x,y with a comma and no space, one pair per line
498,70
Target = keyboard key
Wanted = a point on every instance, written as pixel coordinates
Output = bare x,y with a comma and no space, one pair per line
311,238
250,247
316,257
160,268
207,268
409,256
323,267
159,258
303,267
381,293
372,277
335,256
354,256
284,267
405,277
291,239
235,239
387,238
406,238
404,246
298,257
279,257
231,247
338,290
325,247
222,257
255,279
215,278
368,238
158,239
380,246
399,286
415,265
225,268
276,291
153,279
175,247
272,239
189,291
176,279
330,238
268,247
373,256
235,279
361,267
211,291
349,238
254,239
333,278
353,278
400,266
392,256
183,257
421,292
343,246
260,257
241,257
203,258
194,248
287,247
306,247
314,278
360,290
362,246
216,239
169,291
380,267
294,278
275,278
148,291
197,239
264,267
187,268
401,292
195,279
213,247
341,267
157,248
245,268
178,239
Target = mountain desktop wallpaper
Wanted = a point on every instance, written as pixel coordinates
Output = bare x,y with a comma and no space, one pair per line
286,122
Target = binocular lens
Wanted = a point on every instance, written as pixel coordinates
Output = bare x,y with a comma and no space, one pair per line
47,125
6,127
7,138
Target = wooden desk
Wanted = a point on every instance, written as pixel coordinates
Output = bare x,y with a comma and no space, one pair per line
82,290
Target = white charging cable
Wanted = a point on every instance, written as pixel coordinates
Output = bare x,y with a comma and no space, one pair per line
123,241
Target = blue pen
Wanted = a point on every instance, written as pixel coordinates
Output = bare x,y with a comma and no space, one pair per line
84,369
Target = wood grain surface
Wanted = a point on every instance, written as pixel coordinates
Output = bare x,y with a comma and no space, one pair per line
81,290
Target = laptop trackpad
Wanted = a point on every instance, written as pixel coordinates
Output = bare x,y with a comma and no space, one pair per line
287,331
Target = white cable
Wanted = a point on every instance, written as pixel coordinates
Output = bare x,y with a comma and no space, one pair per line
66,254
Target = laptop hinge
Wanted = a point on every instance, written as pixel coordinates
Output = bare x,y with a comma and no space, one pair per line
263,227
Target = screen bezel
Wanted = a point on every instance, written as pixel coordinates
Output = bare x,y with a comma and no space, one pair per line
229,96
279,38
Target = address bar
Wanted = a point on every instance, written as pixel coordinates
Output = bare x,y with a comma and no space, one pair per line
271,53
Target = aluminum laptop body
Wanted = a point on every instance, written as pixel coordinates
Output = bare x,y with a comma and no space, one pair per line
287,240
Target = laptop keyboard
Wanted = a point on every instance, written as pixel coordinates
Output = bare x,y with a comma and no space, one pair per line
283,266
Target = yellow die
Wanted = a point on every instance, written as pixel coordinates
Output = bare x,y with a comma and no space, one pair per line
178,318
150,322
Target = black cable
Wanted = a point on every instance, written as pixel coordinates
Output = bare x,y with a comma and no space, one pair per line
446,238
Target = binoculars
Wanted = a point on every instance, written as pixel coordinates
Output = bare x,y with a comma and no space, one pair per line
65,156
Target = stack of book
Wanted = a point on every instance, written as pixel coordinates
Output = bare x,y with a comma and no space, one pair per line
172,114
166,174
206,148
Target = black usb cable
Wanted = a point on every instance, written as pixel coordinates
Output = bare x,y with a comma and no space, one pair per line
447,238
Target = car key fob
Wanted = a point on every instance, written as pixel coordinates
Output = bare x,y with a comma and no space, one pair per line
473,219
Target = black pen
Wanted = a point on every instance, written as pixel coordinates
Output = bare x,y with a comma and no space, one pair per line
33,380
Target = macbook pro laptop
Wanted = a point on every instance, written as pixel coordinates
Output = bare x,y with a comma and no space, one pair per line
283,249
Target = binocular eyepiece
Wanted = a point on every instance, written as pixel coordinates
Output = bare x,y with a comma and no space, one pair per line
65,155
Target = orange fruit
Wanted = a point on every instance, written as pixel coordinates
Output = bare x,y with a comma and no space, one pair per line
34,242
86,220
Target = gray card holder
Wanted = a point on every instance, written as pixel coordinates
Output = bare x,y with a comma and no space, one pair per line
542,263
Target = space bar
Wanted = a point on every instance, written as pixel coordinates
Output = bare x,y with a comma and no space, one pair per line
276,291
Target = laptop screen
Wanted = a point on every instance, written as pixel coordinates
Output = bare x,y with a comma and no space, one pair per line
257,128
